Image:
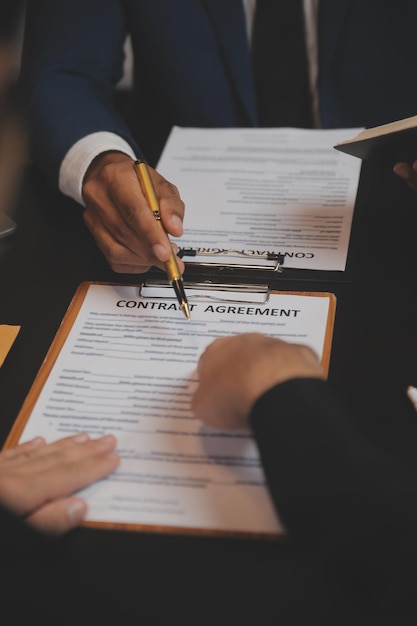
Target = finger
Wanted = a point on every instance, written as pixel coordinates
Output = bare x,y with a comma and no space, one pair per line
111,216
402,169
139,217
171,206
120,220
10,453
120,240
27,454
127,234
58,517
119,257
218,408
66,451
57,472
210,351
124,261
407,172
63,481
70,478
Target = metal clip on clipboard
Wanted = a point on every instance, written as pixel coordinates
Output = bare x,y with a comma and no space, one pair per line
207,290
226,259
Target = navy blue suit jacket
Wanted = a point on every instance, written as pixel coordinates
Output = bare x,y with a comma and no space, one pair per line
192,68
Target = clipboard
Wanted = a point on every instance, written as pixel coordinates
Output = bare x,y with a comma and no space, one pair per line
257,190
249,265
150,297
261,270
228,258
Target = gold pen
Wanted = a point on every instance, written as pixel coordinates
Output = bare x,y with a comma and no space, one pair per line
171,267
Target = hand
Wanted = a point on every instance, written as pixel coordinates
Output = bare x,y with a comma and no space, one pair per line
235,371
408,173
37,480
120,219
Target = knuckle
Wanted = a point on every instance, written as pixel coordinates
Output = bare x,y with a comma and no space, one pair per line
173,189
107,173
169,188
174,203
129,214
114,259
170,192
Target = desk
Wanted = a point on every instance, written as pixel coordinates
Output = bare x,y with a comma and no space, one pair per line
374,358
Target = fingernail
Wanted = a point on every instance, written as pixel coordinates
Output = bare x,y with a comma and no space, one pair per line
76,511
107,439
37,441
176,223
80,437
401,170
161,252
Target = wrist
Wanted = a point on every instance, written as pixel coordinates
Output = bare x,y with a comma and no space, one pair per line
103,159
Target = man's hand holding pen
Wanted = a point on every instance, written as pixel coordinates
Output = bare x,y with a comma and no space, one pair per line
173,272
118,216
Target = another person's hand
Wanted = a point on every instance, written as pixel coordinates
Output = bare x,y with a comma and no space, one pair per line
120,219
234,372
37,480
408,173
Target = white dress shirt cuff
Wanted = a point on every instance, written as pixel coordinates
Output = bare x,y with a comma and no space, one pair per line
79,157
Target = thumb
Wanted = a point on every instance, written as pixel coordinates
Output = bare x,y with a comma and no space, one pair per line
58,517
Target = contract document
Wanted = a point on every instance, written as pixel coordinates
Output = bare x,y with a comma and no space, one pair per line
125,364
282,190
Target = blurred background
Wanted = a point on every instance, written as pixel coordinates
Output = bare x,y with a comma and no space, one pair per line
13,149
13,152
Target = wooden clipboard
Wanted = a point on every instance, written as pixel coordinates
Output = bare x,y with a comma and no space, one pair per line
51,358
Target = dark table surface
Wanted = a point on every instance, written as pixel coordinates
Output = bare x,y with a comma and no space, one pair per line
374,357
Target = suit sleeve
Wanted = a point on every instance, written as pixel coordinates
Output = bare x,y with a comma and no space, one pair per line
336,492
72,59
17,537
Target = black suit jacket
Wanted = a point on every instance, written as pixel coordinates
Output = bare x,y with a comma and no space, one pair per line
339,494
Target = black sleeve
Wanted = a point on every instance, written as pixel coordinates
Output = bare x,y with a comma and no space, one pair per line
18,541
337,492
44,579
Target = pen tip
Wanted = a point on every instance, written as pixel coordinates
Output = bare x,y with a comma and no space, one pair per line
186,310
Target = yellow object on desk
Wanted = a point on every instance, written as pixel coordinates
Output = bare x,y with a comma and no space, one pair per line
8,334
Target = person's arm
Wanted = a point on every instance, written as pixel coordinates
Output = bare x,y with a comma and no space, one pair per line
335,491
72,60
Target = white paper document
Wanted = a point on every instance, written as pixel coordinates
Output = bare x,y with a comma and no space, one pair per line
281,190
127,367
